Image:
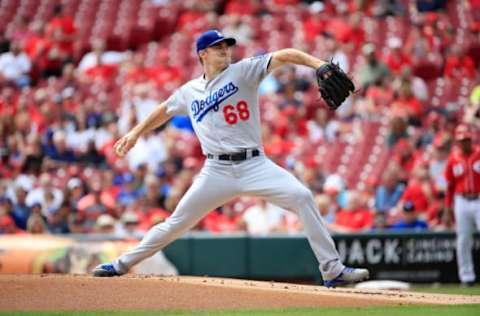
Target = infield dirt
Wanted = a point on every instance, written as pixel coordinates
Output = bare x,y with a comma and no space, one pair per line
133,292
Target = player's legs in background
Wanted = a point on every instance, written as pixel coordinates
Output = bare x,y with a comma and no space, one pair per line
465,227
264,179
212,188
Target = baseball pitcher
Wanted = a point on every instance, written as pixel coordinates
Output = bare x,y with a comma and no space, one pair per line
223,107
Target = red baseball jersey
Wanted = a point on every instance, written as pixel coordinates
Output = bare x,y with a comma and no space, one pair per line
462,173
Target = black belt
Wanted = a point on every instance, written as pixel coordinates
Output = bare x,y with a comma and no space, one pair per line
470,196
241,156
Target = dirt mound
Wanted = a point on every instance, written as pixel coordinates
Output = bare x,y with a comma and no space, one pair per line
132,292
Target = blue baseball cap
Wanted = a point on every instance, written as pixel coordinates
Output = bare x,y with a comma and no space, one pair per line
212,37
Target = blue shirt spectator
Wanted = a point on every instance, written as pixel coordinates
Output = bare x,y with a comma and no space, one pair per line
389,192
410,219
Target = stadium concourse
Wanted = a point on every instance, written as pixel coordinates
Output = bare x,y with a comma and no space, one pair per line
76,76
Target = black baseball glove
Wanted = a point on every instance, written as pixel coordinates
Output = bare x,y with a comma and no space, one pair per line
334,84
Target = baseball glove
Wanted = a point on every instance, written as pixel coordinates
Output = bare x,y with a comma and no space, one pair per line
334,84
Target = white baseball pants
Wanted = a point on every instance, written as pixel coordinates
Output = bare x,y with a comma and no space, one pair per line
467,216
217,183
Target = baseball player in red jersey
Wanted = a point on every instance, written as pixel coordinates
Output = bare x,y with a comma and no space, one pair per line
462,173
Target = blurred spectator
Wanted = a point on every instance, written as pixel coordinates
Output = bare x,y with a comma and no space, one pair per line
336,54
21,212
355,217
458,64
321,127
380,222
417,85
407,105
389,191
98,54
409,219
420,190
129,192
236,27
46,195
57,221
294,80
7,226
397,129
105,224
129,225
373,70
36,225
62,32
20,31
224,220
61,152
313,26
263,218
15,66
396,58
326,208
92,205
334,187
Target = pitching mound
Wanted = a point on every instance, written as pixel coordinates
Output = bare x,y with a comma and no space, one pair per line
131,292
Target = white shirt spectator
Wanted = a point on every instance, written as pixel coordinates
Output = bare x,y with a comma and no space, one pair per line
38,196
14,66
108,58
150,150
143,107
263,218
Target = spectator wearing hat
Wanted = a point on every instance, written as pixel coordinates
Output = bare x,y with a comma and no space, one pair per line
396,58
463,198
57,222
129,225
129,193
105,224
409,219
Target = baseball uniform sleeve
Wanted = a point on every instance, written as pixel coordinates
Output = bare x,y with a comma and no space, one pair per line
176,104
254,69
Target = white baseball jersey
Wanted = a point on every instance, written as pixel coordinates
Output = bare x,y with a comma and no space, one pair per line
225,115
224,111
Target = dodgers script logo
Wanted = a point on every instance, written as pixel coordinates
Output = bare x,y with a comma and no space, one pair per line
201,107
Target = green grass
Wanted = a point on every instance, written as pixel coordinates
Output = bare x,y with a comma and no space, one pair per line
464,310
449,289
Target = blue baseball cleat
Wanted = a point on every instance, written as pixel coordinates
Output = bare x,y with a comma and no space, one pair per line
348,276
105,270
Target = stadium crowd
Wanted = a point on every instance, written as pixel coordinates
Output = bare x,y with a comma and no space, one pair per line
64,100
